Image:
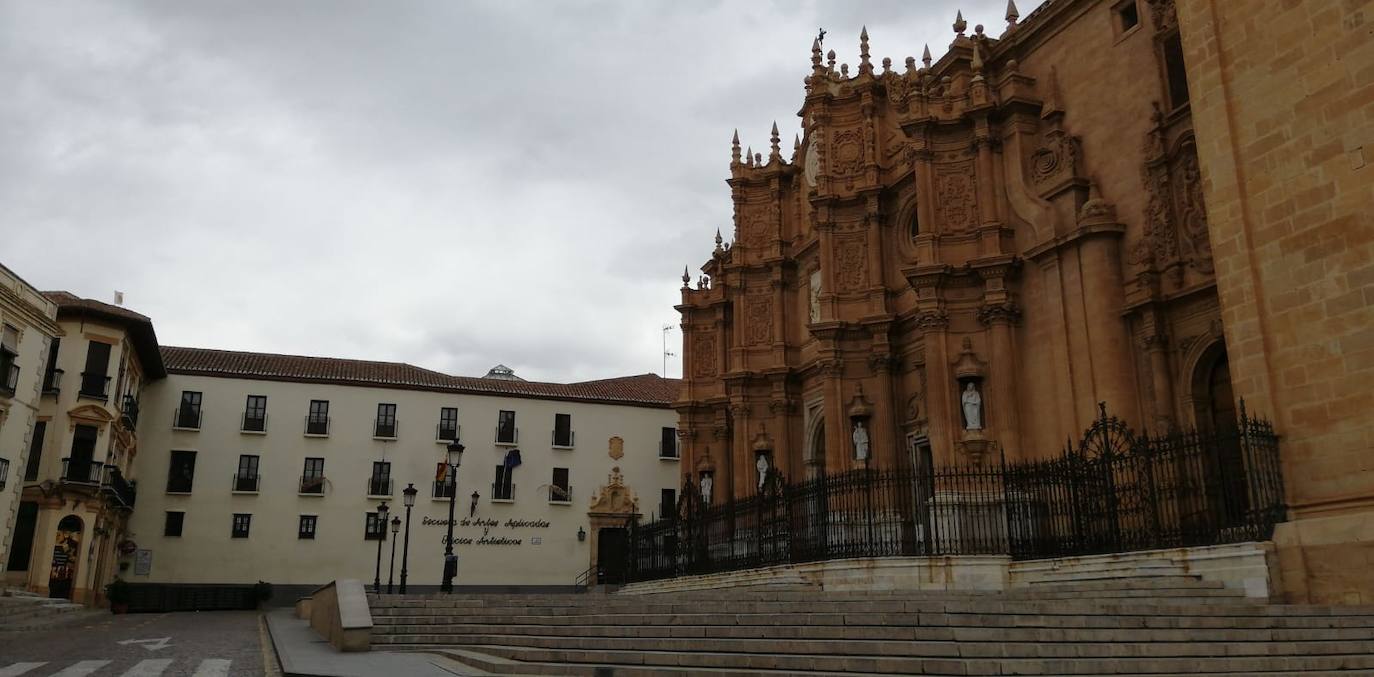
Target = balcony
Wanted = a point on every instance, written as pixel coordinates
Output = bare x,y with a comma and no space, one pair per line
253,423
186,418
559,495
442,490
312,485
94,386
180,485
384,429
82,472
9,380
502,493
507,435
667,451
445,433
563,439
317,426
378,486
4,472
246,484
52,382
128,412
121,490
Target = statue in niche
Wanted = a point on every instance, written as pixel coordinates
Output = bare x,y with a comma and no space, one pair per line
860,441
762,465
706,488
815,307
973,407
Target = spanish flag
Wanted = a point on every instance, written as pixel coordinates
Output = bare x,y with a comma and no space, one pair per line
441,472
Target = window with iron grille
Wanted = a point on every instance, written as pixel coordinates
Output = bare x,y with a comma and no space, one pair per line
188,412
95,382
182,472
312,477
379,484
255,413
559,489
503,489
374,529
172,526
241,524
246,479
448,424
317,422
307,528
386,421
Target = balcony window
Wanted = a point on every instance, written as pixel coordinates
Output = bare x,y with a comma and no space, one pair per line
385,426
4,472
306,531
9,352
379,484
442,489
374,529
255,414
506,432
312,478
667,443
95,382
559,489
188,412
562,431
40,430
241,523
52,376
246,478
503,489
317,421
81,467
447,430
172,525
128,412
181,474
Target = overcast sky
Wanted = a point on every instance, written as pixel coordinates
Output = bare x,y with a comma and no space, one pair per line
450,184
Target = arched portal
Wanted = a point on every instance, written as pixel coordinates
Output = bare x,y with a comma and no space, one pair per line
815,451
1214,410
66,555
1214,405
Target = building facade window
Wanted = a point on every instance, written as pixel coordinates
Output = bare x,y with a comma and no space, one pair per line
317,421
386,421
562,430
506,432
667,443
503,489
241,523
95,383
1175,75
4,472
188,412
9,354
255,414
172,525
312,476
81,465
1127,16
40,430
667,503
379,483
52,376
246,479
447,430
559,489
373,528
182,472
306,531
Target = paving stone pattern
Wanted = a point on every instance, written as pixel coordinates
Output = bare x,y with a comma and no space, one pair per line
1169,626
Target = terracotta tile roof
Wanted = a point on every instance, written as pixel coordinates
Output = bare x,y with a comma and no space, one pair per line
140,327
646,390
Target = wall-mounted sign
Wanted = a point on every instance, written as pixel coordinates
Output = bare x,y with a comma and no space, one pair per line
143,562
486,525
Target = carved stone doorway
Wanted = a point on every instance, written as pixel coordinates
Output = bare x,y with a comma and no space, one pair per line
614,507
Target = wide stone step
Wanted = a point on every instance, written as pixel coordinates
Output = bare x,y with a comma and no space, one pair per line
488,663
805,664
394,634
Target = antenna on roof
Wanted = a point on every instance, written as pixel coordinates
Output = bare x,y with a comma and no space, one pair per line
666,328
118,298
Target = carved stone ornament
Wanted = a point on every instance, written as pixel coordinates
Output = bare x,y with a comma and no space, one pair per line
933,320
762,442
1163,15
968,365
1192,212
758,320
847,152
956,201
859,406
614,497
1056,159
704,355
616,448
754,226
852,259
1007,313
812,167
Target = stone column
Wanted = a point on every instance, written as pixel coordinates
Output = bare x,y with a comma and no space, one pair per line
1002,375
1157,347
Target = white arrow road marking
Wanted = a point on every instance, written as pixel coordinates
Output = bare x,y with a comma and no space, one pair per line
19,669
81,669
149,644
152,667
213,667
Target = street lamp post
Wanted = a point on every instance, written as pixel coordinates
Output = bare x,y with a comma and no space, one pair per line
409,494
391,571
455,458
381,536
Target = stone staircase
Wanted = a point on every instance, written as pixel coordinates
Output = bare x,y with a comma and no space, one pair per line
21,610
1171,625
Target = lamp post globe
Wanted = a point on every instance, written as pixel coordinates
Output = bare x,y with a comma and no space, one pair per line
381,536
391,570
408,495
455,459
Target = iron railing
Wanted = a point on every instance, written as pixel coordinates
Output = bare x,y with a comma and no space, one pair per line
384,428
507,434
447,433
442,489
1115,491
82,472
4,472
95,386
246,483
186,418
253,422
52,382
316,425
378,486
122,491
311,484
128,412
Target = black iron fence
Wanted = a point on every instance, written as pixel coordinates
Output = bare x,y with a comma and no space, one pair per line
1114,491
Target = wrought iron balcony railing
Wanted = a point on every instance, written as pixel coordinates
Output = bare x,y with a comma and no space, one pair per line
447,433
95,386
128,412
564,438
253,423
52,382
246,484
312,485
82,472
317,425
379,486
441,489
186,418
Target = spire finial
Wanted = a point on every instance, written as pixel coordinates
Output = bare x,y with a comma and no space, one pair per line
844,70
887,64
865,66
1012,14
719,239
830,59
925,55
816,54
749,156
777,147
796,142
686,279
959,23
734,148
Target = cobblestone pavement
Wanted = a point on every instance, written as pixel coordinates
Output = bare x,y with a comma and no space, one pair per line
190,644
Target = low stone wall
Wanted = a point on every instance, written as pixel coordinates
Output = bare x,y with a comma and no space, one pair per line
338,612
1242,566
